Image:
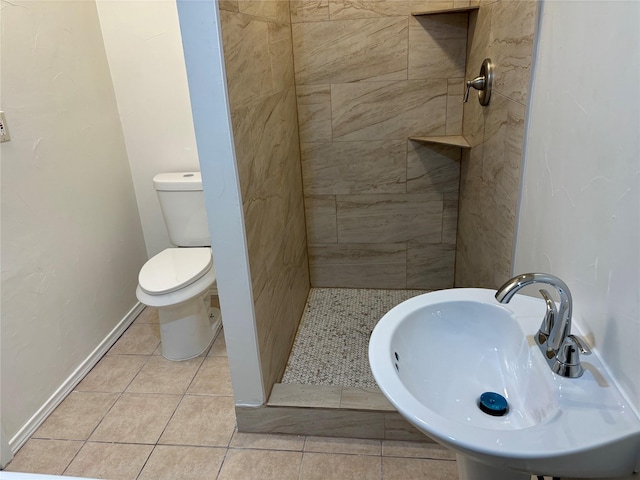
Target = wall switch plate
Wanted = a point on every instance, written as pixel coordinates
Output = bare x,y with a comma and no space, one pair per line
4,129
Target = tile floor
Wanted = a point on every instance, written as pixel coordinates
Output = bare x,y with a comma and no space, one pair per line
139,416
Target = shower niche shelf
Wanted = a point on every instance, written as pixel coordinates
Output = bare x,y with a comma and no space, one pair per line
453,140
446,10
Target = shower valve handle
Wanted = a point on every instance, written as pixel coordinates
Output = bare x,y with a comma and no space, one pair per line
482,83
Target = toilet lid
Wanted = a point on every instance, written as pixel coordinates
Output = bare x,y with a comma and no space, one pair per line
173,269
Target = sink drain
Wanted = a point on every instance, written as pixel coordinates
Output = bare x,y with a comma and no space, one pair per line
494,404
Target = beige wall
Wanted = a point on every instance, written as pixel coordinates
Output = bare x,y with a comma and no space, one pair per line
380,210
490,178
72,243
257,46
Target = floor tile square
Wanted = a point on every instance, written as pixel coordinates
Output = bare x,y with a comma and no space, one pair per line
109,460
148,315
77,416
213,378
268,441
261,465
434,451
140,339
136,418
160,375
183,463
50,457
201,420
353,446
113,373
219,348
321,466
402,468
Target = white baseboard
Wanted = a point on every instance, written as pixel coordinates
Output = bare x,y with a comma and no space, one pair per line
70,383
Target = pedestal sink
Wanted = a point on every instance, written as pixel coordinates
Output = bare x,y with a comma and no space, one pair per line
435,354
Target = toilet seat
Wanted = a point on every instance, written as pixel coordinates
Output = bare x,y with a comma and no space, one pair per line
179,282
173,269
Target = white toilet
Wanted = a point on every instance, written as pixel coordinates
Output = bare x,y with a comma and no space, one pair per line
179,280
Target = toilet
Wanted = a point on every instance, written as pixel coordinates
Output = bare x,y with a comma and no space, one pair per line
179,281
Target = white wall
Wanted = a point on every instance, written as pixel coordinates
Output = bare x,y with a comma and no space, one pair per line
579,216
144,49
72,243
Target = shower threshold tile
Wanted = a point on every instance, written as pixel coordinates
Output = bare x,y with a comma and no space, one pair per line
295,395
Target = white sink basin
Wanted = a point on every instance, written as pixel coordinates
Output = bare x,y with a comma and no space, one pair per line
435,354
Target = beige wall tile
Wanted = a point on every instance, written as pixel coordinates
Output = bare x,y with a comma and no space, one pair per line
350,51
320,214
112,373
432,168
430,267
50,457
77,416
109,460
455,109
511,47
388,110
281,53
350,9
414,218
358,266
201,420
241,121
313,94
160,375
262,464
230,5
185,463
403,468
309,10
247,58
272,10
354,167
450,218
320,466
502,154
136,418
437,46
315,122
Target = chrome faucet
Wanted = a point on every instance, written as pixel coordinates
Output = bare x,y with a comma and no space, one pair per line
560,348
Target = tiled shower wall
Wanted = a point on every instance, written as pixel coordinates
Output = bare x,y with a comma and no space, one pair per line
259,65
490,179
381,210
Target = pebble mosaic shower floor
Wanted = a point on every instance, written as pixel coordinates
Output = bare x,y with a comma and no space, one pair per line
332,341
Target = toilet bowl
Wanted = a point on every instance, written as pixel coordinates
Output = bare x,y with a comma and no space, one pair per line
178,281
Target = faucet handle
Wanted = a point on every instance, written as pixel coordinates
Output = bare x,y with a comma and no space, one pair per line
549,317
568,357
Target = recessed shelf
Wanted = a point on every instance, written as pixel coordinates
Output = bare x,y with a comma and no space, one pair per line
446,10
453,140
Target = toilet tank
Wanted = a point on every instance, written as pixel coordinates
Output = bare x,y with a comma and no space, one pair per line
182,203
